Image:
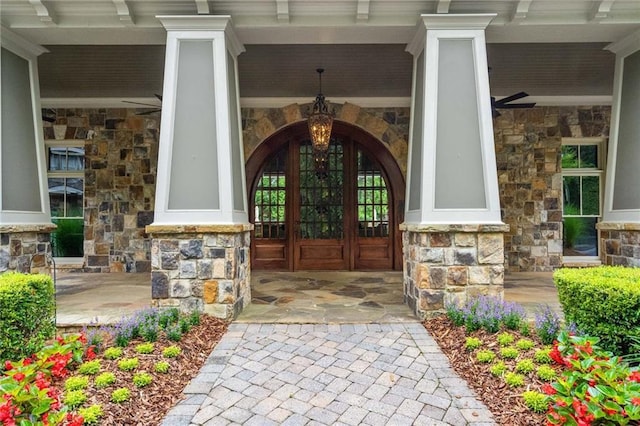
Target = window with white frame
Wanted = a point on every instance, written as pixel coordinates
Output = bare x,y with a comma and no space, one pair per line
582,182
65,178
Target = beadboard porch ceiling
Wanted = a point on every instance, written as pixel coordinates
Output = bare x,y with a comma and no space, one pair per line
115,48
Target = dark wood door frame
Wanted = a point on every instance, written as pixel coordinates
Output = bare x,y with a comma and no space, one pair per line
368,143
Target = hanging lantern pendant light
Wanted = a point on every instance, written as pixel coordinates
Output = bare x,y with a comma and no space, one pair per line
320,123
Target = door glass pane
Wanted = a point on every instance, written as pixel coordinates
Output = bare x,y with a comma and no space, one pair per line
321,195
580,236
590,195
270,198
373,205
56,196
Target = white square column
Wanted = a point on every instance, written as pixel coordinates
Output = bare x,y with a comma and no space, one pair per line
453,244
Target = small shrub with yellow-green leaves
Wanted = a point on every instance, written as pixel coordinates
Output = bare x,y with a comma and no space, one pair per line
546,373
498,369
90,367
120,395
142,379
145,348
542,356
472,343
105,379
76,383
536,401
128,364
112,353
514,379
505,339
91,415
525,366
161,367
171,351
525,344
510,352
74,398
485,356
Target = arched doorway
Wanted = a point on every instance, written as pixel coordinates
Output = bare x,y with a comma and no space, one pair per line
347,220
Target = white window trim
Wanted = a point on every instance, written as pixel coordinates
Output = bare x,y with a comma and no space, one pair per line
601,143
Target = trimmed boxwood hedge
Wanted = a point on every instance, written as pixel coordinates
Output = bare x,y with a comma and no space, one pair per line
603,302
27,307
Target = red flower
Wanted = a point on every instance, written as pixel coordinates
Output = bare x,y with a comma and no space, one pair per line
635,400
7,365
548,389
74,420
90,354
635,376
27,361
556,356
18,377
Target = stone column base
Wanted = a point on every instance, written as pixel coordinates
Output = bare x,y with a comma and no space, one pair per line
446,264
619,243
18,243
201,267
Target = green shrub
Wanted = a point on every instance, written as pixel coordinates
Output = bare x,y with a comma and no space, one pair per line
589,296
113,353
509,352
27,308
74,398
92,414
90,367
525,366
485,356
145,348
194,318
525,344
472,343
161,367
514,379
498,369
546,373
120,395
542,356
76,383
174,333
105,379
171,351
128,364
505,339
536,401
142,379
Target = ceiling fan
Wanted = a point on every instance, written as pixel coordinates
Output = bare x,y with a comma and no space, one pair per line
155,109
48,115
504,103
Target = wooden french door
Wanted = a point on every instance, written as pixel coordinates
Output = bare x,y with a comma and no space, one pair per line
341,220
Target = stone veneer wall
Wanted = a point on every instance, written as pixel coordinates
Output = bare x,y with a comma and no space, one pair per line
446,264
620,244
18,244
121,156
205,268
529,176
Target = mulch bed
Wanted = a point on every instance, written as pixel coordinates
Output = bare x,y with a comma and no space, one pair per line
503,401
149,405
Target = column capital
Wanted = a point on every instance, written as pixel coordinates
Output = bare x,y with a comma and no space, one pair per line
204,23
19,45
442,21
627,45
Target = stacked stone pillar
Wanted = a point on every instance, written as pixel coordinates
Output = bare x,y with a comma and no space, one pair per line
453,240
620,226
25,219
200,234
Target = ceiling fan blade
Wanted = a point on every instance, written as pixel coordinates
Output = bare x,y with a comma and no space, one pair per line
513,97
153,111
140,103
48,119
158,96
517,106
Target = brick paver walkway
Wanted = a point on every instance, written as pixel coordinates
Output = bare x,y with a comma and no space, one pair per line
343,374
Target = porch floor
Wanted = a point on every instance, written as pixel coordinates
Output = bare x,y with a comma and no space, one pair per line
281,297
